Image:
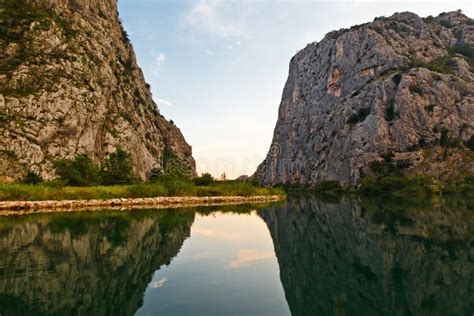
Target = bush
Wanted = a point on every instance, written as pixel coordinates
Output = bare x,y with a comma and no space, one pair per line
81,171
466,50
204,179
154,175
444,139
32,178
406,187
118,168
329,187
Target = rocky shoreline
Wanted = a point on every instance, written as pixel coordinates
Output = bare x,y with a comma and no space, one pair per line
28,207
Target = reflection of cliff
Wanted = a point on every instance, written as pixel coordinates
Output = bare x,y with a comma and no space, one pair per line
335,260
87,264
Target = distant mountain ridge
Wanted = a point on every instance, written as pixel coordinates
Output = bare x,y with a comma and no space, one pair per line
70,84
400,87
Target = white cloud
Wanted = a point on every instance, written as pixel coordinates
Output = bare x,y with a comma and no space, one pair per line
159,58
209,52
158,284
250,256
238,43
164,102
217,17
229,46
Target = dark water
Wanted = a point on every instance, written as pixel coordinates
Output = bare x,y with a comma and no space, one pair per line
303,257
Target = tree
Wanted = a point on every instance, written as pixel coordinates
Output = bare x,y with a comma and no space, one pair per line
204,179
118,168
32,178
81,171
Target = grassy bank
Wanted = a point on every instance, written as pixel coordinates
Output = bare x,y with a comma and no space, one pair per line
397,188
53,191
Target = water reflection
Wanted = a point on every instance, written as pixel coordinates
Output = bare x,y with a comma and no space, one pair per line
349,258
85,264
304,257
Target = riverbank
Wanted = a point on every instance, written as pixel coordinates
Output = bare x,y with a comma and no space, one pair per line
28,207
173,188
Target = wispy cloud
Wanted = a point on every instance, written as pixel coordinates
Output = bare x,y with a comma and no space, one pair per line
249,256
159,283
164,102
209,52
217,17
158,57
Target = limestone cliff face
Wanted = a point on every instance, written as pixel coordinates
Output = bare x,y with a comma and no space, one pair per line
342,259
393,85
81,264
70,84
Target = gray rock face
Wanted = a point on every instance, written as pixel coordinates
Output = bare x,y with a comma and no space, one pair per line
70,84
386,86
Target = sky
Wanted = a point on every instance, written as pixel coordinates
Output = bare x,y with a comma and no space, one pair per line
217,68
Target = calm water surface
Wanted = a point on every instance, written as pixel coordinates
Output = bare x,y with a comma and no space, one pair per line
303,257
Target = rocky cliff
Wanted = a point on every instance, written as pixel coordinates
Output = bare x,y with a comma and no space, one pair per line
401,86
83,264
70,84
344,259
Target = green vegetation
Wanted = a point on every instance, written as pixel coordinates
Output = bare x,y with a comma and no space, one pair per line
204,180
329,188
445,64
82,171
183,187
118,168
32,178
464,49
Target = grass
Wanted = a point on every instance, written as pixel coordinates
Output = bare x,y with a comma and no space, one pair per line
52,191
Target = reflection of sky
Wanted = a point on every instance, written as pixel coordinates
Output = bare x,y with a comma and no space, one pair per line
227,266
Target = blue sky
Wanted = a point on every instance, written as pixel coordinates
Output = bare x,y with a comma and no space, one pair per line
217,67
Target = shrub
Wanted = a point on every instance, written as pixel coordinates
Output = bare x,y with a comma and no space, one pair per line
118,168
154,175
81,171
32,178
446,23
329,187
204,179
444,139
464,49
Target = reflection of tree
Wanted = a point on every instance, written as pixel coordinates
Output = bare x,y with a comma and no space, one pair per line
85,263
338,259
